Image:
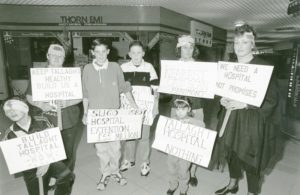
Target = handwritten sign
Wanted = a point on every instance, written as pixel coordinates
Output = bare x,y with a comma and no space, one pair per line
113,125
144,99
33,150
55,84
185,141
195,79
246,83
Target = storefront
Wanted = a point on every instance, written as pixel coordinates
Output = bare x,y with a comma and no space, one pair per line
27,35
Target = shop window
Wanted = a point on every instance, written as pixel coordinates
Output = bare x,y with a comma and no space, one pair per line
22,53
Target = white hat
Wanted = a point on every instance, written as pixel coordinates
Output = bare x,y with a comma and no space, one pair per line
15,104
56,49
185,40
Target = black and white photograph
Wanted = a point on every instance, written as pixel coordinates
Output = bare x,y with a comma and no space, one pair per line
149,97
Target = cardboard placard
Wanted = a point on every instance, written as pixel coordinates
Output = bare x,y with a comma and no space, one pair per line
56,84
195,79
33,150
185,141
113,125
246,83
144,99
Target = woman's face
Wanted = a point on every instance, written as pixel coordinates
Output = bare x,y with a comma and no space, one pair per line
187,51
100,52
243,45
55,60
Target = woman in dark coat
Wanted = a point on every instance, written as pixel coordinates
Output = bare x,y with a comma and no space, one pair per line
249,139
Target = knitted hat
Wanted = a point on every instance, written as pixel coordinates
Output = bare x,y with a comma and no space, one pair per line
185,40
56,49
15,104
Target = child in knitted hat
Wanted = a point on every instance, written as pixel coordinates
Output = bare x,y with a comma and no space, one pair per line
16,109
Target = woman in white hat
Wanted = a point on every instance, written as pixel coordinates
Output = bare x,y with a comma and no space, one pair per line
187,52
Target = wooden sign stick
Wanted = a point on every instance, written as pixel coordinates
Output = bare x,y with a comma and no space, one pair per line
59,117
225,121
41,186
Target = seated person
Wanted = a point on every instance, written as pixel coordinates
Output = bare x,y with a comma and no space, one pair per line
16,109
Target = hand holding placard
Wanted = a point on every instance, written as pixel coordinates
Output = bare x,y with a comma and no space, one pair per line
144,100
113,125
245,83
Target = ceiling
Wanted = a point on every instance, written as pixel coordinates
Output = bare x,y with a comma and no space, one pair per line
269,17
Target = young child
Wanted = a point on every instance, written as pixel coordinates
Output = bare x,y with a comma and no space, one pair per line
16,109
187,51
102,83
142,74
179,169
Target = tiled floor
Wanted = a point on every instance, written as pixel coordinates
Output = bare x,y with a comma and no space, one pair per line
283,180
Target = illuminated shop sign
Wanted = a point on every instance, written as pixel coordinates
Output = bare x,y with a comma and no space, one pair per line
81,20
203,33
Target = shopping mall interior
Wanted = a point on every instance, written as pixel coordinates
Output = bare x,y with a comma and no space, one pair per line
28,27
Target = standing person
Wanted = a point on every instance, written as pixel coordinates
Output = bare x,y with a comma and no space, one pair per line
179,169
249,138
16,109
102,83
70,110
187,51
139,73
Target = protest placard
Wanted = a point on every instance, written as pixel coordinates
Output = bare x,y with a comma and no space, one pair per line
246,83
184,140
33,150
144,99
195,79
56,84
112,125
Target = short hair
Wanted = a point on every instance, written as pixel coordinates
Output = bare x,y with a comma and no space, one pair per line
240,30
137,43
98,42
